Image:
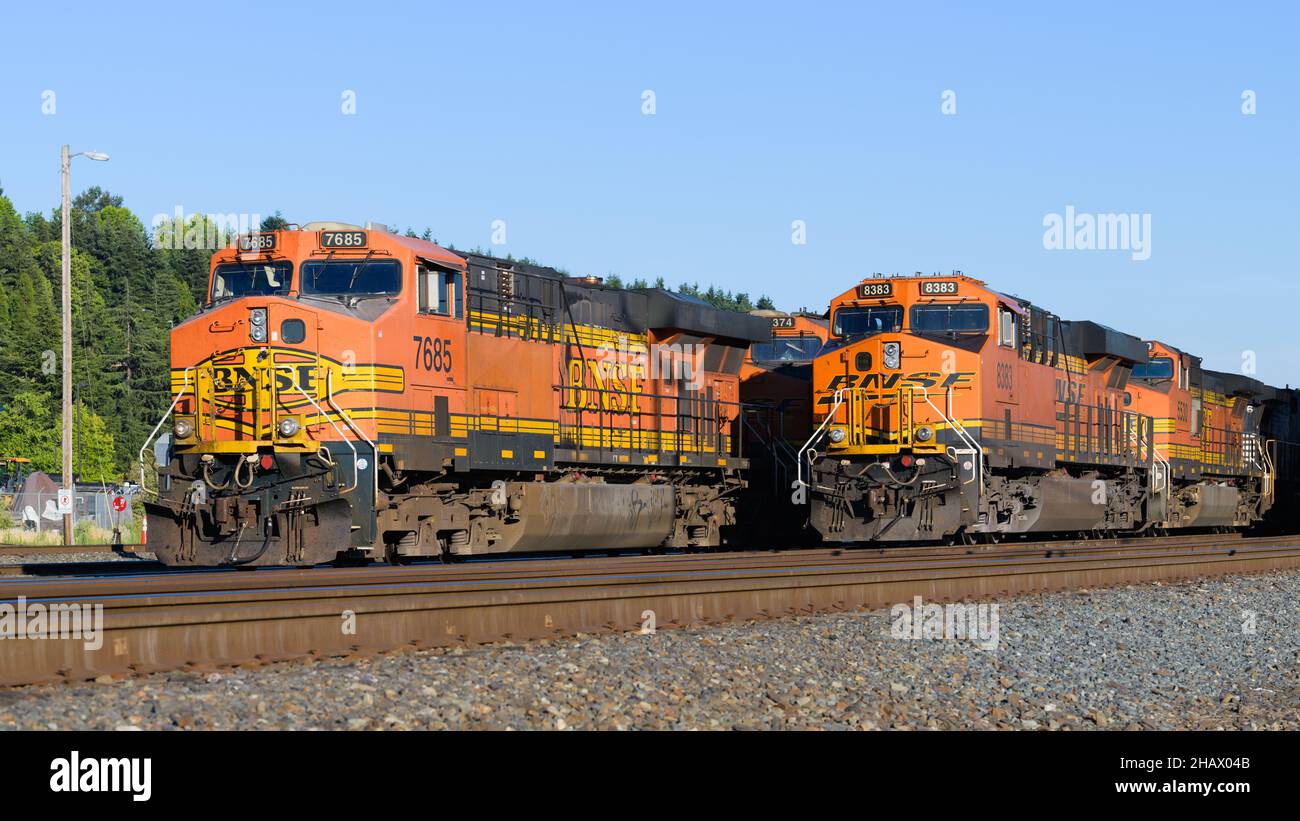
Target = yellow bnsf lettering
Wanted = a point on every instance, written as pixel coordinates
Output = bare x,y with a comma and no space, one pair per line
885,382
605,386
306,379
240,379
927,379
232,384
1069,391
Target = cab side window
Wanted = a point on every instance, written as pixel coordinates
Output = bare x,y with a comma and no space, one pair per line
1006,328
441,291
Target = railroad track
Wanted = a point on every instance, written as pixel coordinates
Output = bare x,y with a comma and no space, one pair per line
60,549
166,621
81,568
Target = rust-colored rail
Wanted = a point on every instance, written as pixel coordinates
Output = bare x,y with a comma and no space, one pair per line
171,620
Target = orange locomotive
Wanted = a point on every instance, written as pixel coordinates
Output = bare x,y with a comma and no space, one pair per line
776,399
774,381
947,410
348,392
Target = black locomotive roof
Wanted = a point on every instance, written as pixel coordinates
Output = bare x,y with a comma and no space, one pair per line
1235,384
586,300
1092,339
665,309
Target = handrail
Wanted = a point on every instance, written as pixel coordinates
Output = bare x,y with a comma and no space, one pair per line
157,427
356,478
374,449
836,402
960,429
1270,468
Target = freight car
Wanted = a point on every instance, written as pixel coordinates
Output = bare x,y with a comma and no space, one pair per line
949,411
346,392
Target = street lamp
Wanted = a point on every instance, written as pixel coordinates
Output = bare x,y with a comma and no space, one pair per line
67,333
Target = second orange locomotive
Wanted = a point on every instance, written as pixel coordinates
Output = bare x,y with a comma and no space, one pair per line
947,410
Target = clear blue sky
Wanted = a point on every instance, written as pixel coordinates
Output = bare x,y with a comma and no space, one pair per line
765,114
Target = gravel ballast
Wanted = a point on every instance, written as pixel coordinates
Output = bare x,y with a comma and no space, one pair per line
38,556
1221,653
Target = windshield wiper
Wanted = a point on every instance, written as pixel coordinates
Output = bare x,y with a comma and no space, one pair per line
357,270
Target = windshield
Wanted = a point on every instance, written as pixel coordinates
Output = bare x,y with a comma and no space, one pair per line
1162,367
950,319
786,349
352,276
867,321
250,279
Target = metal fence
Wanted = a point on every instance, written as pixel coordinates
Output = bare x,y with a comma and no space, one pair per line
39,511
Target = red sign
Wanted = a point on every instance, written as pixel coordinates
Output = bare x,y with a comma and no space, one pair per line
119,503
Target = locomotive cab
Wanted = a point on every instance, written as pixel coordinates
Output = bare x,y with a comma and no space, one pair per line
895,397
274,455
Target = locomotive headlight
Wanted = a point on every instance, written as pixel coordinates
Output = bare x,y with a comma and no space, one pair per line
892,355
183,428
289,427
838,435
924,433
257,324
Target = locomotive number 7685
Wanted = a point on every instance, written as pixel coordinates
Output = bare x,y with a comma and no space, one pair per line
432,354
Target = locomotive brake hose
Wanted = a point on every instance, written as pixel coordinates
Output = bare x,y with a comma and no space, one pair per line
207,478
326,459
890,474
239,466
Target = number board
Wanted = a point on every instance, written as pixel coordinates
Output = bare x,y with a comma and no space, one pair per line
257,242
938,288
343,239
782,322
869,290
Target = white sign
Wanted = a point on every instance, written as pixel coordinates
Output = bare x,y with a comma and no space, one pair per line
65,502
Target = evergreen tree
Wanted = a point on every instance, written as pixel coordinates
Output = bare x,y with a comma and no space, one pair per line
275,222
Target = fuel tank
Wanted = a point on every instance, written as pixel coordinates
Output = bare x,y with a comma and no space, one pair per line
1212,505
562,516
1062,503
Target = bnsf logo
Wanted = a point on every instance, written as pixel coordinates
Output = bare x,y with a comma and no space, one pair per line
868,381
233,384
237,380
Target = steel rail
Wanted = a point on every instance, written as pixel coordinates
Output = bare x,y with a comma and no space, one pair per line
55,549
523,567
171,621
